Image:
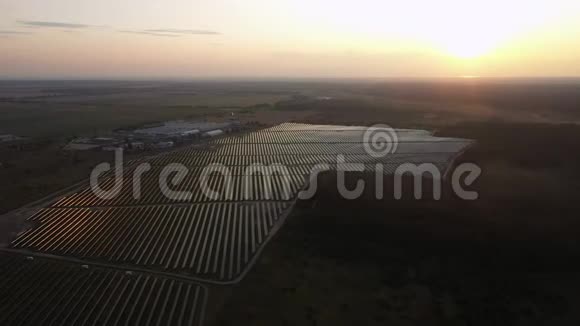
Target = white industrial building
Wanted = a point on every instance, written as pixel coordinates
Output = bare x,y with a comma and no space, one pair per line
9,138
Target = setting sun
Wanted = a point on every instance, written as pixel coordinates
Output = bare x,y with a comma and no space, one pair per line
469,42
468,31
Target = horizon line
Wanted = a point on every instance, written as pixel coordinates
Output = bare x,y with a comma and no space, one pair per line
281,78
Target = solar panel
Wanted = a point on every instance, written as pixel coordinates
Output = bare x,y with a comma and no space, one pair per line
50,292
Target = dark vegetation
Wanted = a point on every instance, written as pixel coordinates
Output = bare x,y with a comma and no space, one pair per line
508,258
36,172
552,98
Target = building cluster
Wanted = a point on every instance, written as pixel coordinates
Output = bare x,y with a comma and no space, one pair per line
9,138
14,143
155,136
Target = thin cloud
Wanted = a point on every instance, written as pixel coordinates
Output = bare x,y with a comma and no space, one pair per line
171,32
52,24
150,33
184,31
6,32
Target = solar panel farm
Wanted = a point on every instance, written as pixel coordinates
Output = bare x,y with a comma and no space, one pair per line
173,248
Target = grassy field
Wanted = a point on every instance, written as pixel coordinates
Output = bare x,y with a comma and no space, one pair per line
65,109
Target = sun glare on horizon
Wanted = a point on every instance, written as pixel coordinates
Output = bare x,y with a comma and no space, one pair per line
468,50
457,29
469,31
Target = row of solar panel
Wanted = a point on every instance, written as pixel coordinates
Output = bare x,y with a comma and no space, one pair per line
292,126
219,184
211,241
297,127
192,189
325,137
47,292
436,145
192,157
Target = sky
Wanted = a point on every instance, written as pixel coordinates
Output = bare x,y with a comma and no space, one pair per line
288,38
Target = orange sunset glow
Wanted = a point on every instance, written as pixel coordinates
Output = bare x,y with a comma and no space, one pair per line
259,38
